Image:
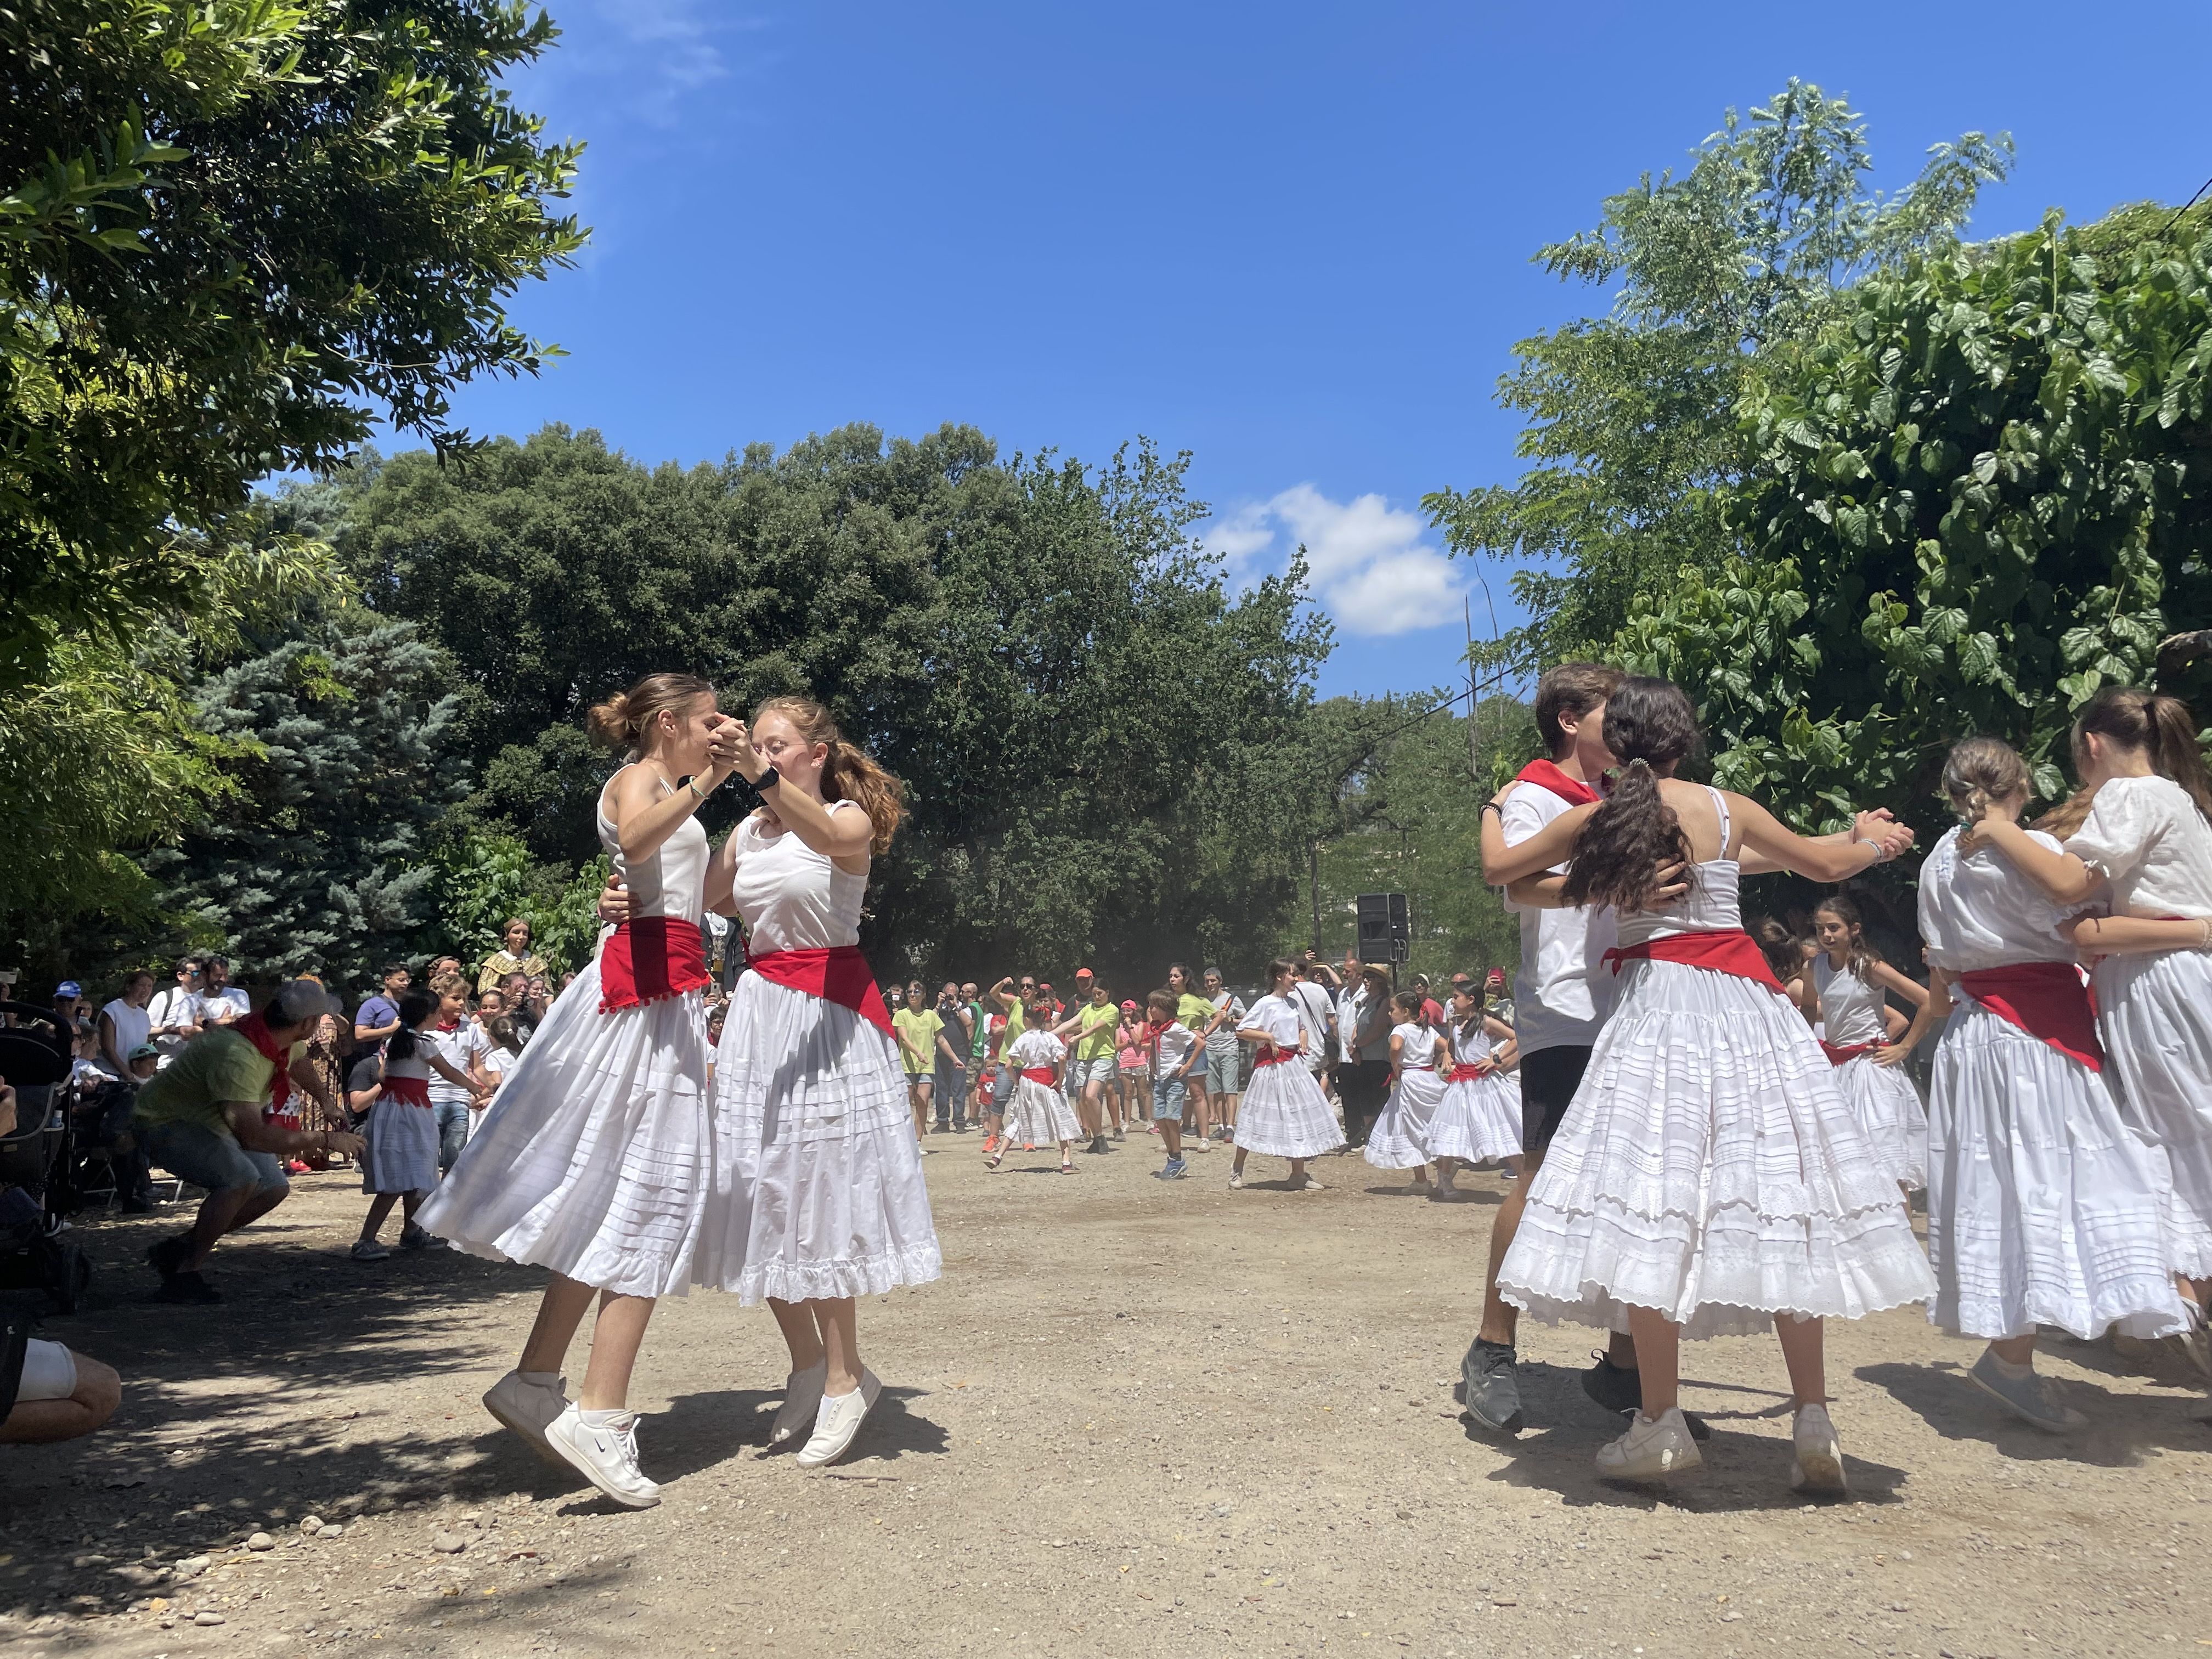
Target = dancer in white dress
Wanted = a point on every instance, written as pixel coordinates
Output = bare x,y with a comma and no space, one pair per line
1477,1121
1038,1114
1708,1176
1399,1140
594,1160
2044,1208
401,1164
1845,993
818,1194
2140,833
1284,1112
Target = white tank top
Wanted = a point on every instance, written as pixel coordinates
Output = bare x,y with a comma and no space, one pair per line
1418,1050
1711,905
791,897
1473,1047
1850,1008
673,881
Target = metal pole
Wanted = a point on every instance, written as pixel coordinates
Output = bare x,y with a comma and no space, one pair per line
1474,746
1317,894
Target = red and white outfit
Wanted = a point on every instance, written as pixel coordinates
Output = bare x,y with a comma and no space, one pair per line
596,1156
2147,838
1037,1113
1400,1138
1708,1167
401,1130
1882,1098
2044,1207
1284,1114
1479,1119
817,1188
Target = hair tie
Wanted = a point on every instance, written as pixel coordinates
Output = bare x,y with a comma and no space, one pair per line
1640,761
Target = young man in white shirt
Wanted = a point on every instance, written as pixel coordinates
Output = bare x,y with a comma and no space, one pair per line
174,1016
1316,1016
221,1002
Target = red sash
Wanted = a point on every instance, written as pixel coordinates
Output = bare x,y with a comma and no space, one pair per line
1463,1072
255,1030
2047,1000
1274,1057
840,975
650,959
407,1090
1722,950
1546,775
1045,1074
1844,1054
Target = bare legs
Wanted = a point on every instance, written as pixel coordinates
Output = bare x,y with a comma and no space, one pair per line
616,1336
380,1207
40,1422
225,1211
1658,1347
825,1331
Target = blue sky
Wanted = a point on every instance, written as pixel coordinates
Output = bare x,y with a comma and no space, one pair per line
1292,239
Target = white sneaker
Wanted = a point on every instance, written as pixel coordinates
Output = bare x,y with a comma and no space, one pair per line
802,1402
839,1421
605,1454
1820,1468
526,1408
367,1249
1235,1180
1652,1449
1307,1184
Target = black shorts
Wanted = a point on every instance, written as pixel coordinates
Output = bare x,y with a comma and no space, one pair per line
1549,1079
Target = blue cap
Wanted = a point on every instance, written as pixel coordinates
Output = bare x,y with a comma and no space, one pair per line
68,987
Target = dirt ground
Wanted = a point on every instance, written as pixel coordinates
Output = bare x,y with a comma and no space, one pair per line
1133,1418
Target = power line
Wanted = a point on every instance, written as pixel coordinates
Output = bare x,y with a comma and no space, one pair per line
2188,204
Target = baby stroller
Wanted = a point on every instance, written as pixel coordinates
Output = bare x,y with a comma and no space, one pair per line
34,1059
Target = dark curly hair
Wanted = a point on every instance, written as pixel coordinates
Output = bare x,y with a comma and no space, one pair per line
1648,726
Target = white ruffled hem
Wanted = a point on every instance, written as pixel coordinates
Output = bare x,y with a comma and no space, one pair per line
1887,1107
1039,1115
1477,1121
1399,1140
1284,1114
2154,1014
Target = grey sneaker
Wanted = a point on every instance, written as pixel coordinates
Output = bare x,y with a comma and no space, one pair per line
2029,1398
1491,1391
1174,1169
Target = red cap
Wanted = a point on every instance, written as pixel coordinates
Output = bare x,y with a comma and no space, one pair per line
1084,972
1128,1007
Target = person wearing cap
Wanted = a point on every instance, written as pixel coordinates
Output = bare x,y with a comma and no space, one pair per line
201,1118
1135,1062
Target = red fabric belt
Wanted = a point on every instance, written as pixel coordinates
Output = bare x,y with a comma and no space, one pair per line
1465,1074
1274,1057
650,959
2047,1000
1722,950
1844,1054
1045,1074
1547,775
407,1090
840,975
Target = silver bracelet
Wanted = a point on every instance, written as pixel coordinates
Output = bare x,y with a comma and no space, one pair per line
1876,845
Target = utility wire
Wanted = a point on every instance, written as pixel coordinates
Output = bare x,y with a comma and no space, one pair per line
2188,204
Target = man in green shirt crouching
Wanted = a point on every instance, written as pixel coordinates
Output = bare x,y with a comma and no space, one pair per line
201,1117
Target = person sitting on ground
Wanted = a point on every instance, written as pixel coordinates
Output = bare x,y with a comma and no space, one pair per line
201,1118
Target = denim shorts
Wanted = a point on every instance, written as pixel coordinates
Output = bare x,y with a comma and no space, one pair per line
1170,1096
215,1161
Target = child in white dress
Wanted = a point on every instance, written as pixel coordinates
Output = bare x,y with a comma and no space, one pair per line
401,1165
1284,1112
1842,994
1039,1113
1708,1177
595,1159
1400,1138
1477,1121
818,1196
2043,1207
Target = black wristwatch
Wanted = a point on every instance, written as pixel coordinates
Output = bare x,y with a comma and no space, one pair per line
767,779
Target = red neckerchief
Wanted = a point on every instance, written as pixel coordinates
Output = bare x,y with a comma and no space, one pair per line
254,1028
1545,775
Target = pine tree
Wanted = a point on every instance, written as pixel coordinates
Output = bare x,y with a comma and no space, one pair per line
321,866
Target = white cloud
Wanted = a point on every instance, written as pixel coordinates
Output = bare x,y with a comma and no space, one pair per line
640,61
1369,564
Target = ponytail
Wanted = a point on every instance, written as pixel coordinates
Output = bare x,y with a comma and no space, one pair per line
1648,724
414,1009
623,720
2177,754
850,772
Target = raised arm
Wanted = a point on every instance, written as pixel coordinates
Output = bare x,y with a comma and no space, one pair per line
1866,826
2061,875
644,819
1819,860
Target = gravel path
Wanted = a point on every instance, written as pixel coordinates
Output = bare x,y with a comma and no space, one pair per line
1133,1418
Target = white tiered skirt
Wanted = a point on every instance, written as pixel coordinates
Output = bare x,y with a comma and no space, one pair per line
1886,1103
1400,1138
1477,1121
1709,1169
594,1158
1039,1115
2154,1014
1284,1113
817,1187
2044,1208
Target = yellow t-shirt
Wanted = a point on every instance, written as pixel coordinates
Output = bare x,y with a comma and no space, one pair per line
919,1030
1095,1035
1194,1010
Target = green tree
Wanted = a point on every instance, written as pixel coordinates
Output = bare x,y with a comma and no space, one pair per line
1632,416
1982,491
319,863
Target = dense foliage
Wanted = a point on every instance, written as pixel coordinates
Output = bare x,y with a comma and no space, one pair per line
1633,421
1982,491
